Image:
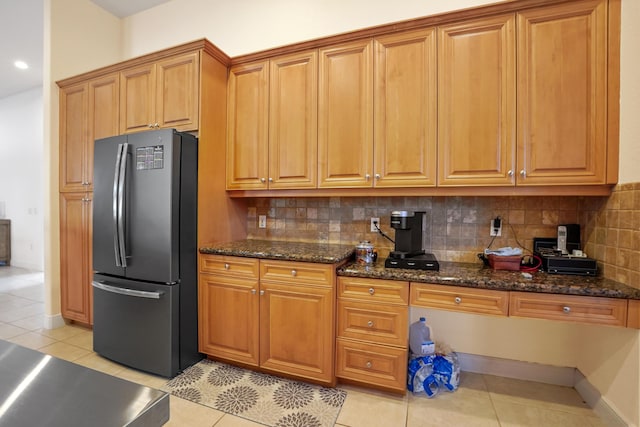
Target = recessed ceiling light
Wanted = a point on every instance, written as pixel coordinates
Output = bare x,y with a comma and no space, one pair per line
21,64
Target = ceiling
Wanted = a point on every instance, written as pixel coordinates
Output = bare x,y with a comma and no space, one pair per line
22,37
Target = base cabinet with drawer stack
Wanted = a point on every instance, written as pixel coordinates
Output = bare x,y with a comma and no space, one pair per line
372,333
276,315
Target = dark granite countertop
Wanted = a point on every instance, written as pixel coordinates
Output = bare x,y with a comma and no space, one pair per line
481,277
468,275
324,253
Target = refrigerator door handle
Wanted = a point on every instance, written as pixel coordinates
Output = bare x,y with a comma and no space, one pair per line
121,208
127,291
116,198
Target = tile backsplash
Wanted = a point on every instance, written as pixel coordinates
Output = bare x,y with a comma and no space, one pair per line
458,227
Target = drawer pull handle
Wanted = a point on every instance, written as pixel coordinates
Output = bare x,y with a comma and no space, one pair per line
566,309
457,300
226,266
370,323
369,365
294,273
372,291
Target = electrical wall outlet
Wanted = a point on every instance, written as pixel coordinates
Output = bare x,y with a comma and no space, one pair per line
495,227
374,221
262,221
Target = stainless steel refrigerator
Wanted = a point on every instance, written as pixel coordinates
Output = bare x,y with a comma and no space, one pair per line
144,250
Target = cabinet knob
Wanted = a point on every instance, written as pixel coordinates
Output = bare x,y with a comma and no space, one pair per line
150,126
457,300
367,177
369,364
226,266
294,273
270,179
372,291
263,180
378,176
523,173
566,309
261,291
370,323
156,125
253,291
510,173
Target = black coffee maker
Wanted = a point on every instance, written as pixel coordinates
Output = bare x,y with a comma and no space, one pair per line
408,252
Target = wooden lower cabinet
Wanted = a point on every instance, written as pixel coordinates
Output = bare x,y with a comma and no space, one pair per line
372,332
570,308
275,315
76,257
633,316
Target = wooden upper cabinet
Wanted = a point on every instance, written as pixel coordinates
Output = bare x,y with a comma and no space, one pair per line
405,97
562,94
476,102
345,116
73,137
293,121
88,111
161,95
248,126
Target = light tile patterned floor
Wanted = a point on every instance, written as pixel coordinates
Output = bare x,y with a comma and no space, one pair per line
481,400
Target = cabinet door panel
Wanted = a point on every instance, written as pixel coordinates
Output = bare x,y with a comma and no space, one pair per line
228,318
304,347
75,256
293,121
405,110
247,126
104,109
562,68
177,92
345,117
137,96
73,137
476,107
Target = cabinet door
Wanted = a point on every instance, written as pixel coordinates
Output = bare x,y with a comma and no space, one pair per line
293,121
137,99
476,102
405,110
73,137
177,92
75,256
228,318
562,69
103,112
345,116
247,126
297,330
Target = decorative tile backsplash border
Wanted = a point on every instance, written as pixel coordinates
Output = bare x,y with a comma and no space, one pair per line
458,227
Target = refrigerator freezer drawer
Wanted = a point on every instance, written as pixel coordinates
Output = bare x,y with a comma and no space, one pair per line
136,324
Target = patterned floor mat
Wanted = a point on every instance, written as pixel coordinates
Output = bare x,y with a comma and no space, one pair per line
259,397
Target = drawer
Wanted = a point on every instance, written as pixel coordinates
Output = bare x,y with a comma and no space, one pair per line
468,300
572,308
633,319
229,266
300,272
375,290
372,364
379,323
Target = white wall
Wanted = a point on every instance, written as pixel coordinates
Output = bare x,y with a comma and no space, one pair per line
21,177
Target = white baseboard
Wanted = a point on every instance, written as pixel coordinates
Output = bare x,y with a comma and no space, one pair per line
564,376
594,399
52,322
516,369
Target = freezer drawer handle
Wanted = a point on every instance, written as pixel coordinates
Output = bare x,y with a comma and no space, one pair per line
128,292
